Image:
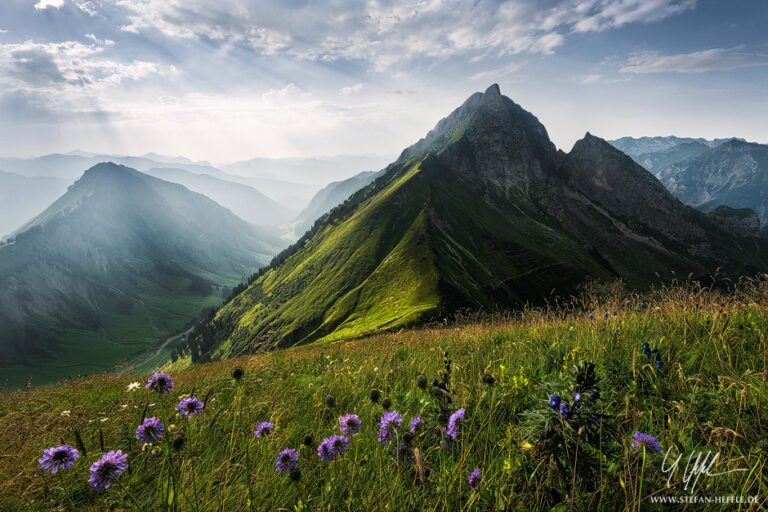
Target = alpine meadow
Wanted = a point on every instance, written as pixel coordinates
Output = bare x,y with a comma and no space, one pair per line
280,256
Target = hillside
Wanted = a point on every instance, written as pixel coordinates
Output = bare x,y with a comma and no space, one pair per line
244,201
707,396
482,212
119,262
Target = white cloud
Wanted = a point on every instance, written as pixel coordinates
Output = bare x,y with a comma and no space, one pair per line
44,4
3,31
388,33
589,79
103,42
695,62
87,7
496,74
346,91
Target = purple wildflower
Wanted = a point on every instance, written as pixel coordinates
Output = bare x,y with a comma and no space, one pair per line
554,401
388,426
403,454
645,440
350,424
160,382
415,424
110,466
286,460
628,304
591,316
59,457
325,451
150,431
565,409
606,315
189,406
339,444
576,398
474,479
263,429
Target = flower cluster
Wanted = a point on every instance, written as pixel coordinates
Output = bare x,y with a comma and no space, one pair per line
105,470
150,431
159,382
332,447
349,424
59,457
451,432
263,429
388,426
563,407
286,460
190,406
653,355
645,441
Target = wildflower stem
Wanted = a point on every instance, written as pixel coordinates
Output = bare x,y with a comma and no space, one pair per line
66,492
127,493
642,474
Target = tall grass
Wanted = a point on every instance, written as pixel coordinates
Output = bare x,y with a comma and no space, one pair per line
710,395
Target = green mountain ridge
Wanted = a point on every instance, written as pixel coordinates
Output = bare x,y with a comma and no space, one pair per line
482,212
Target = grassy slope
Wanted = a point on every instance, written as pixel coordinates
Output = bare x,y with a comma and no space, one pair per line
711,396
370,271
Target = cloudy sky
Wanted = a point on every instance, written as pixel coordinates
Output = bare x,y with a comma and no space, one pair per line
226,80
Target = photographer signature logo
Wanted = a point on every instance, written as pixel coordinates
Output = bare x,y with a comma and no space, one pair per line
699,464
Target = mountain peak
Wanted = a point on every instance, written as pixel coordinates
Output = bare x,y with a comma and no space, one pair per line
493,90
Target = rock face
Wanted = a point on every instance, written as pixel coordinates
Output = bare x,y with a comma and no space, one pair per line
482,212
706,174
734,174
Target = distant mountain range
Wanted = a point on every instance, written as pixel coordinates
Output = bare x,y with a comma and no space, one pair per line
329,197
244,201
119,262
482,212
707,174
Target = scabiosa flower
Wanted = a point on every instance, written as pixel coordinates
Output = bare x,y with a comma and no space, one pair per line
451,432
325,451
286,460
554,401
189,406
263,429
628,304
474,479
576,398
415,424
59,457
647,349
565,409
606,315
403,454
349,424
388,425
645,440
160,382
591,316
110,466
150,431
339,444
